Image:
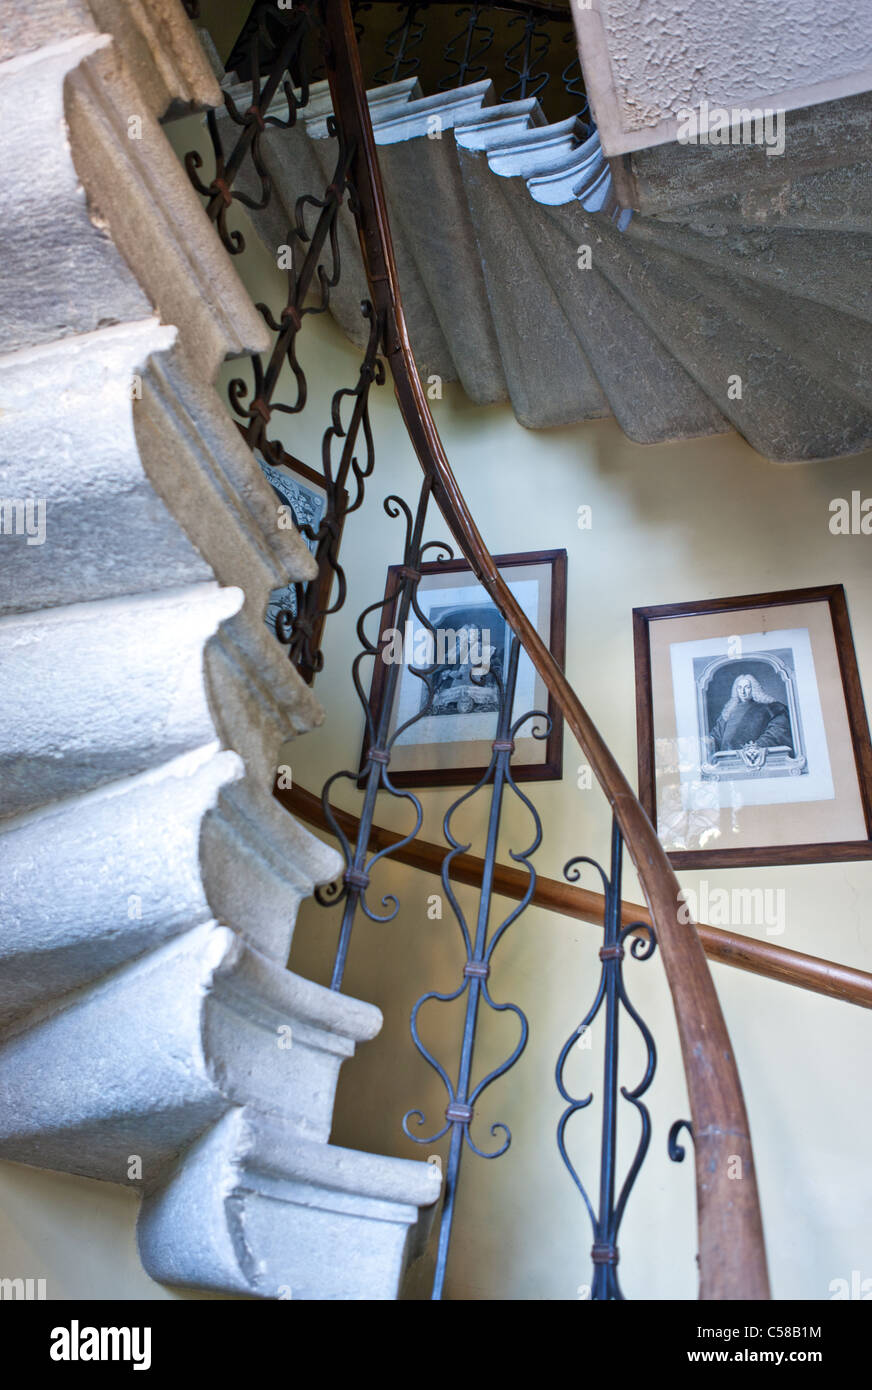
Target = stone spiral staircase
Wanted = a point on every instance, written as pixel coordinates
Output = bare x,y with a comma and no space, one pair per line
526,280
150,1033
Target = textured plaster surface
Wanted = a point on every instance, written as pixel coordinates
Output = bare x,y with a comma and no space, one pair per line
644,62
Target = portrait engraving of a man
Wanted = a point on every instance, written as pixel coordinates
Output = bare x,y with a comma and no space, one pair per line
469,651
750,716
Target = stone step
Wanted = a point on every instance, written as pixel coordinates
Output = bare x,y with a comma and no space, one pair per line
143,1061
833,269
835,354
560,168
574,171
549,378
127,675
110,534
111,893
114,894
77,281
785,411
817,139
836,200
261,1213
424,186
432,352
653,398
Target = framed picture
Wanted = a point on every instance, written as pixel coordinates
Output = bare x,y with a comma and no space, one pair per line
451,744
753,740
302,489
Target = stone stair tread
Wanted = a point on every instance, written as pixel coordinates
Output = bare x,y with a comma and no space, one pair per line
550,381
158,1048
539,150
651,394
112,894
417,117
507,123
422,176
833,269
120,717
817,138
276,1216
836,353
785,411
428,341
837,199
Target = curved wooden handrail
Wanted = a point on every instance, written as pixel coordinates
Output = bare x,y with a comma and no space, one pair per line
773,962
732,1253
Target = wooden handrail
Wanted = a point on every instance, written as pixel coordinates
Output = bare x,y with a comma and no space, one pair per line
732,1252
765,958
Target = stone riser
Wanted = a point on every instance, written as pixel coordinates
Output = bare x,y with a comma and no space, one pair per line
144,1060
284,1220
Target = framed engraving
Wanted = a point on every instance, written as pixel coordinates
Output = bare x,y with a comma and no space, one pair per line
752,732
451,744
301,489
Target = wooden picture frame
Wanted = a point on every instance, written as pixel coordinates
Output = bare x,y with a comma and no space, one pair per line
292,481
462,762
788,754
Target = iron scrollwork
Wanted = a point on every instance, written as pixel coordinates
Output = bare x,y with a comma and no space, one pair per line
310,258
611,992
479,947
466,48
479,944
358,865
287,36
300,629
408,34
525,57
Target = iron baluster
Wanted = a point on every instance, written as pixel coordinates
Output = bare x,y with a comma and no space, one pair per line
479,949
380,738
407,35
530,50
460,1109
359,7
290,59
288,326
465,49
356,877
604,1252
282,39
301,630
606,1221
573,78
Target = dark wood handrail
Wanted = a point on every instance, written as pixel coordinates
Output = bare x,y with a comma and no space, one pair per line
732,1252
765,958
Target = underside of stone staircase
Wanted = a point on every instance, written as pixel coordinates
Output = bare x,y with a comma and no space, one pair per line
675,289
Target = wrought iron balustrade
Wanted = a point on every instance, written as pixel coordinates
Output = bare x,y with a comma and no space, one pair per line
527,49
281,50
